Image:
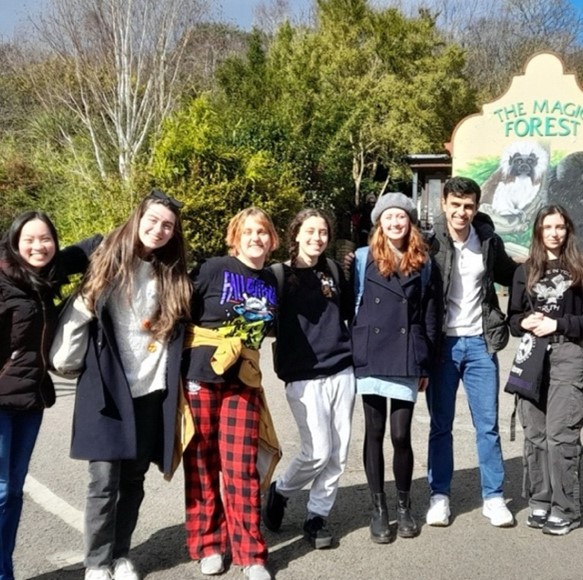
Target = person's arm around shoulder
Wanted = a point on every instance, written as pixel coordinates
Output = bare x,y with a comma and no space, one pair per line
75,258
518,305
346,290
504,265
432,301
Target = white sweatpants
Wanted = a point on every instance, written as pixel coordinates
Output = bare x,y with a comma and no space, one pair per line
322,409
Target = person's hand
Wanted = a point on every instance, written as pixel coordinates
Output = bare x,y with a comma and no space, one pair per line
347,261
422,384
545,327
531,321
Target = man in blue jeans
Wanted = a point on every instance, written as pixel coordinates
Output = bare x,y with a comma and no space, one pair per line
471,258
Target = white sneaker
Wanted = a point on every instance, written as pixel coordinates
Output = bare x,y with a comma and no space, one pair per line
496,511
97,574
257,572
212,564
124,569
438,512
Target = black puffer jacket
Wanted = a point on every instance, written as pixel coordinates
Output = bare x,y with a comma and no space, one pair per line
27,324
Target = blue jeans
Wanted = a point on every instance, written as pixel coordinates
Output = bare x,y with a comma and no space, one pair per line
465,358
18,433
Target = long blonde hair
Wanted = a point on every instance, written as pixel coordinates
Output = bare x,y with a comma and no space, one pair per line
113,265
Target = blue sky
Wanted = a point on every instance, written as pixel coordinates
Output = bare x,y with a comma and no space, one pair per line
237,11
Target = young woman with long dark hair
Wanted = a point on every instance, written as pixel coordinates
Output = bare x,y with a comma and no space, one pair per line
551,280
29,283
136,293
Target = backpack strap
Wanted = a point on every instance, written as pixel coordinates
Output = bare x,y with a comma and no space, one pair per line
360,262
278,272
333,267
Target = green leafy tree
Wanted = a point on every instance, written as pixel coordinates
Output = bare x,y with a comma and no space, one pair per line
200,160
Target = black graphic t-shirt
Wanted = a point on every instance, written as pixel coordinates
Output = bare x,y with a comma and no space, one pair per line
237,301
554,295
549,291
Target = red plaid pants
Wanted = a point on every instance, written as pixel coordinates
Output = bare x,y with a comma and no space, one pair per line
226,418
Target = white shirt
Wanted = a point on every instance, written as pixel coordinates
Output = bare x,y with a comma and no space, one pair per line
464,300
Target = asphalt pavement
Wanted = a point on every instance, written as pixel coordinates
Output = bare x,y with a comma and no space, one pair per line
50,542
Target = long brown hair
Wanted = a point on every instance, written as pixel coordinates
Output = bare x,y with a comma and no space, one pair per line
570,257
114,262
387,260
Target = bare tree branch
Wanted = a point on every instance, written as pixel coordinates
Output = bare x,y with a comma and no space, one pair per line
125,57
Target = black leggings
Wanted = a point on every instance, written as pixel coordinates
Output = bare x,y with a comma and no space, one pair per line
375,416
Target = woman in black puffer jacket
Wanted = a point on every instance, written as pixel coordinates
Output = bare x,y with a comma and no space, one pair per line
29,282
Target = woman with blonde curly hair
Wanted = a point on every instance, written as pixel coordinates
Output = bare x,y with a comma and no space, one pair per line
136,293
233,308
392,340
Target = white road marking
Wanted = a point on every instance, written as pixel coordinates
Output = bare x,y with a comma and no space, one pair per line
52,503
285,544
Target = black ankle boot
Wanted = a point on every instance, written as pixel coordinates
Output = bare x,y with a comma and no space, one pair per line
406,525
379,522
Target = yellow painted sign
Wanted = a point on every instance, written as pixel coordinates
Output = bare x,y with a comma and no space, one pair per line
526,150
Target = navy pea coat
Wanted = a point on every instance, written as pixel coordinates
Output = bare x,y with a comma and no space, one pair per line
104,426
395,330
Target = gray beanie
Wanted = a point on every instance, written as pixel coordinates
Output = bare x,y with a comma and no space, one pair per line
396,199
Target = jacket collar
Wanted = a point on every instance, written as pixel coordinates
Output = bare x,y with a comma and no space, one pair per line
395,284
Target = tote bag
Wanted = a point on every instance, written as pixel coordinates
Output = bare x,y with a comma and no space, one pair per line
528,368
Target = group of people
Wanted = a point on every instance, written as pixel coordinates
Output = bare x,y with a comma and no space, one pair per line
419,314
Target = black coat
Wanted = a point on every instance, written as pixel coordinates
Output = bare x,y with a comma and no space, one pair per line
395,329
104,426
27,325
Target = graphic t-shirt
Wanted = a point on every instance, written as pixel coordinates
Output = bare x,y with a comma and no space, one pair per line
549,292
554,295
237,301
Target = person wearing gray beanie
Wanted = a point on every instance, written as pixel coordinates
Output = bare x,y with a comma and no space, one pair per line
393,341
390,200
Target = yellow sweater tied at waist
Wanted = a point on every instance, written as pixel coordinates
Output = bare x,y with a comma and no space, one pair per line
228,351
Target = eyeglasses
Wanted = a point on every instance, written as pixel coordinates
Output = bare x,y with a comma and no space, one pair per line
165,199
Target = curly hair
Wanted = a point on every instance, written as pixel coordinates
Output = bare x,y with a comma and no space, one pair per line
114,263
570,257
387,260
294,228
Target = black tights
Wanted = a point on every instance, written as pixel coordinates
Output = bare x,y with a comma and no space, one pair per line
375,416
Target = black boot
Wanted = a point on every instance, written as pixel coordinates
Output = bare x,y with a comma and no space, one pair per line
380,532
406,525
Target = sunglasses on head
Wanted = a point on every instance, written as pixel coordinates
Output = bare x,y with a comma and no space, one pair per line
160,196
